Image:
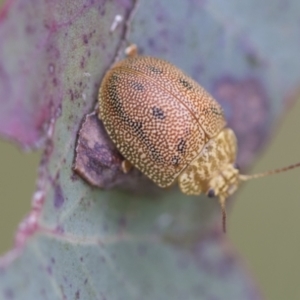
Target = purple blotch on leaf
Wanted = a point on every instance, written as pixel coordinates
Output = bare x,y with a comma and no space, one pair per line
246,105
49,270
8,294
58,197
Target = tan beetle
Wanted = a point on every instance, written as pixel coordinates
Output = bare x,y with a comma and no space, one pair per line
170,128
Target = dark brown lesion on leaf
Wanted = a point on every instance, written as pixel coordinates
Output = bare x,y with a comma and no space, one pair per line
98,161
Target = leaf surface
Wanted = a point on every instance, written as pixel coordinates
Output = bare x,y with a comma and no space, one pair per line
79,242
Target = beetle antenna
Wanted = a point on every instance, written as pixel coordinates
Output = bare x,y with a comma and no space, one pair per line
271,172
222,201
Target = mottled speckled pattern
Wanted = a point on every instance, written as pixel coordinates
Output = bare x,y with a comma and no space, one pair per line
158,117
207,170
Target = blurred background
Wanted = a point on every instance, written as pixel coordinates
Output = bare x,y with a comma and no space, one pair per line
263,223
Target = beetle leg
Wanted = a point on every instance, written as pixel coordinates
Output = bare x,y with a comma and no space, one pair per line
126,166
222,201
131,50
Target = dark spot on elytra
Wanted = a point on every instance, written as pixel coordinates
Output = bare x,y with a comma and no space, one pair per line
216,111
155,70
138,130
54,81
156,156
181,146
158,113
175,160
77,295
137,86
185,83
58,197
114,78
137,127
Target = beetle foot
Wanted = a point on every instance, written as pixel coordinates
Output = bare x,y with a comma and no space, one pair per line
126,166
131,50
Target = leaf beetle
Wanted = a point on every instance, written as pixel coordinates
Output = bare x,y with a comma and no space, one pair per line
170,128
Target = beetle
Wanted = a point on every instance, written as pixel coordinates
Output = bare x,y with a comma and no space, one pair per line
170,128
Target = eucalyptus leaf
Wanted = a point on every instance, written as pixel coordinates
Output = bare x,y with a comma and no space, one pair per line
81,242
